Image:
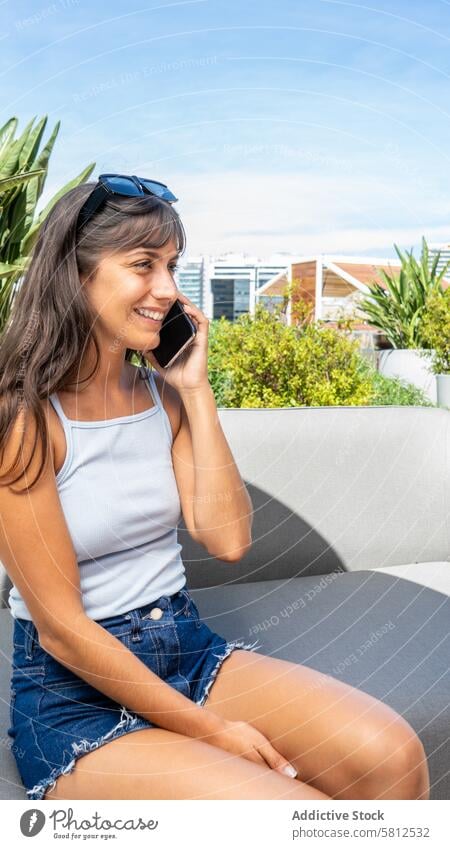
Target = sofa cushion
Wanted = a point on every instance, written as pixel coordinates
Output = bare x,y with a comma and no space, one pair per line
335,488
382,634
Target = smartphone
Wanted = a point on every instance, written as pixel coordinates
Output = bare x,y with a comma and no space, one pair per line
176,333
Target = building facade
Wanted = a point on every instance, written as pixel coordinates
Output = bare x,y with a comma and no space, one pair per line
235,281
444,251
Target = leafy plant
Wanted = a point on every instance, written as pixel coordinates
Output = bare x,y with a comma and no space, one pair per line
387,391
23,172
436,330
261,362
398,310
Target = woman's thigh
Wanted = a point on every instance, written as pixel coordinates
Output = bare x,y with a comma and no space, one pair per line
159,764
339,738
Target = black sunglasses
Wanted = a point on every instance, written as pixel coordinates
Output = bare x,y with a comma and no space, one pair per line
120,184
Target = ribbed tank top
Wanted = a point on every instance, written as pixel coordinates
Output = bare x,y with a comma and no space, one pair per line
120,499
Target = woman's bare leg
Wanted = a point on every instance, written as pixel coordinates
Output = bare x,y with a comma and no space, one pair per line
340,739
155,763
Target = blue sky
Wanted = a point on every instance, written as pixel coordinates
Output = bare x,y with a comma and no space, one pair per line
299,125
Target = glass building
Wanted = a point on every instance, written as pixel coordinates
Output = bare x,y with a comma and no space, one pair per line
192,280
444,251
234,281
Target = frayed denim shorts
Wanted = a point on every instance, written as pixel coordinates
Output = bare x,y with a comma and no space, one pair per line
57,717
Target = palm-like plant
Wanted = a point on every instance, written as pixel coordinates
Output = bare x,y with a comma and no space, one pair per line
398,310
23,171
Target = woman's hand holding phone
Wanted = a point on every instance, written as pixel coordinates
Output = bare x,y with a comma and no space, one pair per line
189,372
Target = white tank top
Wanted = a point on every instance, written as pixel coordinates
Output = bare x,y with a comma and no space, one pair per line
120,498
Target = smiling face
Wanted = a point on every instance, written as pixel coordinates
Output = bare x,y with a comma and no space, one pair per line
129,280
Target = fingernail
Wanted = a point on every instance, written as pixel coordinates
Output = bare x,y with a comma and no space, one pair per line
291,771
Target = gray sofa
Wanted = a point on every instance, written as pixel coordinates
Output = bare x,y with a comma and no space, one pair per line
349,571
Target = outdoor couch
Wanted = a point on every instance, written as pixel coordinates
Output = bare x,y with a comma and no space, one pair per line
349,571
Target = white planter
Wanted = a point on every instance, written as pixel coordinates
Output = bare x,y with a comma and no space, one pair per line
443,389
411,365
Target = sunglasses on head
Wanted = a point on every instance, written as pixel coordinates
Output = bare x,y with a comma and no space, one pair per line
121,184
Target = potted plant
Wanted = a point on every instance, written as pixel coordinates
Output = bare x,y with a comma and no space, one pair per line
397,311
436,331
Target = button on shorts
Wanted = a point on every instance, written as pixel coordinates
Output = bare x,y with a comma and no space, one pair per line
56,717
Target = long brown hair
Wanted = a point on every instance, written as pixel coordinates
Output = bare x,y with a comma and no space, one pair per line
51,320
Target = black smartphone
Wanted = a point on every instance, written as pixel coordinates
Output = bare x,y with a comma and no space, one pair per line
176,333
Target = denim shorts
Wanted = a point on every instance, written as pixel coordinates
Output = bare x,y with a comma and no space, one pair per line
57,717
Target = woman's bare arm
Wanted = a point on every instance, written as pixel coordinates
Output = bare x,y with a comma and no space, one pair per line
215,501
98,657
38,555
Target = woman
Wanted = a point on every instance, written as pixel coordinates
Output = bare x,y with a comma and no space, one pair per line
107,639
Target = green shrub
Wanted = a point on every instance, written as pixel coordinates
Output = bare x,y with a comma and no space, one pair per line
387,391
260,362
436,329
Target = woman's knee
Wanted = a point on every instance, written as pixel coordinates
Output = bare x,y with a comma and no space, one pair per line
391,762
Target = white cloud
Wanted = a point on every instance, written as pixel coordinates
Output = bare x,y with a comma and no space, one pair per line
259,213
302,212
